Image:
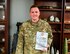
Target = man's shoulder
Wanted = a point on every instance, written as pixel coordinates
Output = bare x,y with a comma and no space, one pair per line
27,22
44,22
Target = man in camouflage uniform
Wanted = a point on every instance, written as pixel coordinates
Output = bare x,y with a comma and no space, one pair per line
27,34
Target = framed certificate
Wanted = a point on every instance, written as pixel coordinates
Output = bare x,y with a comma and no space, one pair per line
41,40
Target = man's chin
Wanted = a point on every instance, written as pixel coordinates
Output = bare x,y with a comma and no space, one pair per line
35,20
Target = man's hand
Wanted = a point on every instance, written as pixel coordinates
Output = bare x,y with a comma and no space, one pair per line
45,49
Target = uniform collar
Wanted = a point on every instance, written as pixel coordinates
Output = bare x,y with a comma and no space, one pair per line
36,23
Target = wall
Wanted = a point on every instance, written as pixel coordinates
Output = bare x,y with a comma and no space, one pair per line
19,12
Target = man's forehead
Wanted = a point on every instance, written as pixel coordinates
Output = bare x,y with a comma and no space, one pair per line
35,8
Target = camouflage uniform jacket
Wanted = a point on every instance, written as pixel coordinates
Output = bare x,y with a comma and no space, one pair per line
27,35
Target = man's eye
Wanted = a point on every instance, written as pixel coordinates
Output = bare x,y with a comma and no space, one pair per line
32,12
36,12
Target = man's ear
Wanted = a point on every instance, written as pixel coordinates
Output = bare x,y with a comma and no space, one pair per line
39,12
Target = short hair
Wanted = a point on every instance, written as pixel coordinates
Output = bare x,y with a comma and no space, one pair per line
34,6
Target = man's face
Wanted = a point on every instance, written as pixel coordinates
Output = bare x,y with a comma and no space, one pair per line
34,13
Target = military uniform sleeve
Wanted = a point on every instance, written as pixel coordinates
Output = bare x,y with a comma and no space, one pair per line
50,36
19,47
